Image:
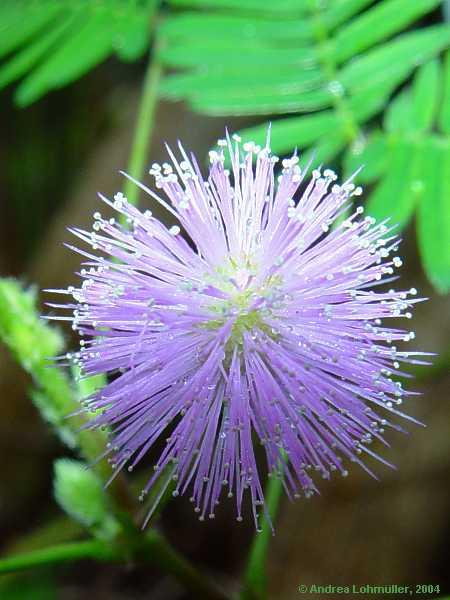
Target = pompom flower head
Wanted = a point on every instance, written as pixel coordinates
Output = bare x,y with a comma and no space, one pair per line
259,325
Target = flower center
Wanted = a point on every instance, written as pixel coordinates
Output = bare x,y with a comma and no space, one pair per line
246,303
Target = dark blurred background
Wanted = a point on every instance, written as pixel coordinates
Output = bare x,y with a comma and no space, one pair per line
55,156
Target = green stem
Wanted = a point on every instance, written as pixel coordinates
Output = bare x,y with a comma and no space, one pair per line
255,577
144,128
151,548
61,553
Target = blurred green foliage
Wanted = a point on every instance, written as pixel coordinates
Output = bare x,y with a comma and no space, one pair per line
54,42
33,342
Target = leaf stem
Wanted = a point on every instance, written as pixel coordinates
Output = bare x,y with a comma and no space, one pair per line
96,549
144,127
151,548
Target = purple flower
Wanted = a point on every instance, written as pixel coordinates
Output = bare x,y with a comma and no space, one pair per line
259,326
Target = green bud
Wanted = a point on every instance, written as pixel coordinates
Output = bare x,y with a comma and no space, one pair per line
80,494
32,341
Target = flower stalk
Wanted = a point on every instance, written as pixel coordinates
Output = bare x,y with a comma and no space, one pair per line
144,127
255,581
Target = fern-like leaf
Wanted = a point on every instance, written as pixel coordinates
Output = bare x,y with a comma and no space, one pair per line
54,42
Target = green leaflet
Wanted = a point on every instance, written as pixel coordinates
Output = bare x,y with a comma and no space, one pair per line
302,133
337,12
433,218
132,31
258,102
249,53
398,115
188,27
238,79
385,19
444,114
282,6
425,94
371,154
401,188
324,149
398,58
367,102
15,30
292,132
